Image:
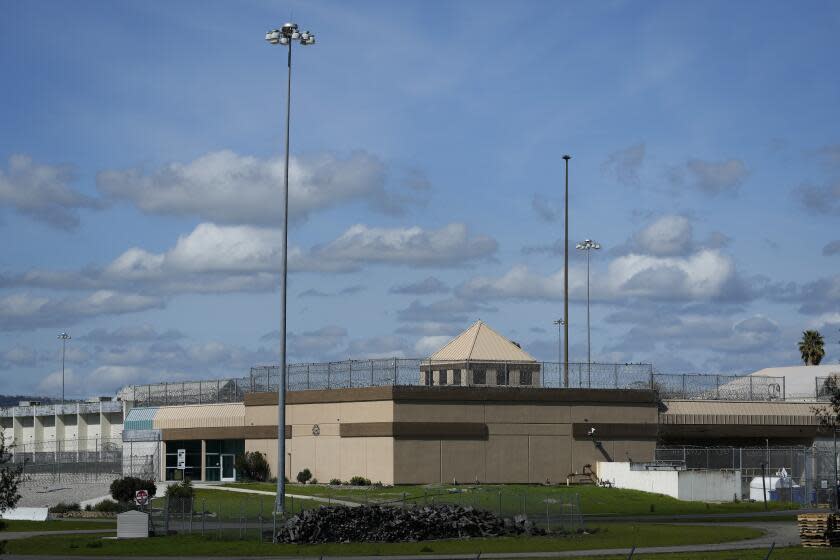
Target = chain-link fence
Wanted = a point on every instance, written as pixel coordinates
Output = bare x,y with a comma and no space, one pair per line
404,371
824,386
83,460
250,516
809,470
719,387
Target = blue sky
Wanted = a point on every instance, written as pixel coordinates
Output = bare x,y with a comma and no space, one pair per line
141,173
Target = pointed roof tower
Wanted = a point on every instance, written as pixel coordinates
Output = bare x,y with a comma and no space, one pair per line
481,343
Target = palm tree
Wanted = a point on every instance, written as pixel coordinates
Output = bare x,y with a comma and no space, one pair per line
812,348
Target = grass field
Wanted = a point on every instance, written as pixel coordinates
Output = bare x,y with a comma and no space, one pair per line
56,525
613,535
235,505
594,500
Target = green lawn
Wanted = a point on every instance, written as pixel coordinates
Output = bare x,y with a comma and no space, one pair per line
56,525
613,535
593,500
234,505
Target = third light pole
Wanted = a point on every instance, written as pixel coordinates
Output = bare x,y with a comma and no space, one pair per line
588,245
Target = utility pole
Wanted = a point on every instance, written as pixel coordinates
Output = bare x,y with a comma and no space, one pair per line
559,323
285,36
566,158
63,337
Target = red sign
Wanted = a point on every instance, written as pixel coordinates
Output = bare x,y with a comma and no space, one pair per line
141,497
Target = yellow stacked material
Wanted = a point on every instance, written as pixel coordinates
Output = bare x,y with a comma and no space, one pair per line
819,529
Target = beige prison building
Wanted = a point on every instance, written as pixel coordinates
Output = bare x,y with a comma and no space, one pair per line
479,414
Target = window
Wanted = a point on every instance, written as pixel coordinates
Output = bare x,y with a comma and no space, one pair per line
501,377
442,377
427,378
192,458
526,378
456,377
479,377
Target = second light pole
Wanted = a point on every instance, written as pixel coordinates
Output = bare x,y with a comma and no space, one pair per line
286,35
588,245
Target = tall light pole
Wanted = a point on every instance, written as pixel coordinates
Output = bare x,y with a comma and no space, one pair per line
63,337
566,158
559,323
588,245
286,35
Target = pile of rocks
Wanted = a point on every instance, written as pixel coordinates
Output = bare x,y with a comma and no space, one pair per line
391,524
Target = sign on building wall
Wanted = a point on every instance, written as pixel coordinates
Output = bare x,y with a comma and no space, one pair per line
182,459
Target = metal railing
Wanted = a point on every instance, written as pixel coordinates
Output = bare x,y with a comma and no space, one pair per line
404,371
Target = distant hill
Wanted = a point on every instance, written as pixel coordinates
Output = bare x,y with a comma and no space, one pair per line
13,400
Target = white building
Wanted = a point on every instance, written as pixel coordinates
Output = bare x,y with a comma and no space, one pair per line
89,426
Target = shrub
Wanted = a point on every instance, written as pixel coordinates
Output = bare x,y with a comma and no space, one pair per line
304,475
313,481
110,506
335,482
253,466
359,481
61,507
124,489
182,490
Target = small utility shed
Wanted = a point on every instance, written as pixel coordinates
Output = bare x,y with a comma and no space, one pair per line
133,525
480,356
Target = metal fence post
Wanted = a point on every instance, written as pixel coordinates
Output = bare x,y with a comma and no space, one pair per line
350,362
328,375
166,516
166,392
751,387
717,387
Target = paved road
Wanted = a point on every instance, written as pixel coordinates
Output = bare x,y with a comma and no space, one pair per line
15,535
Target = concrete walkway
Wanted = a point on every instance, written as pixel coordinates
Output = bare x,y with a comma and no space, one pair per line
268,493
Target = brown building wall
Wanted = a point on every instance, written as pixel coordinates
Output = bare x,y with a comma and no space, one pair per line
437,435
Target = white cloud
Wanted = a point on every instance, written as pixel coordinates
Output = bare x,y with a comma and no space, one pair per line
428,345
668,235
42,192
51,384
705,275
218,259
451,245
23,311
229,188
